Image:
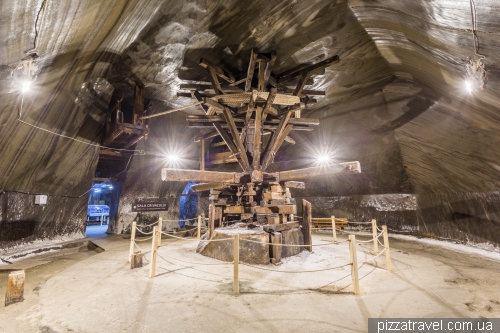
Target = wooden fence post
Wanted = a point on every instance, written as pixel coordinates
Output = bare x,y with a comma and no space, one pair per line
154,247
160,227
375,233
236,261
291,217
334,231
354,264
198,235
15,287
387,251
132,241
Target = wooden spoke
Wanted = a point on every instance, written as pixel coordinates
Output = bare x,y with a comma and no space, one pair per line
251,69
217,70
236,139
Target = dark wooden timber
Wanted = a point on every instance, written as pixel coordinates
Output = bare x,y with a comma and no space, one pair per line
287,76
217,70
251,69
236,139
306,224
214,80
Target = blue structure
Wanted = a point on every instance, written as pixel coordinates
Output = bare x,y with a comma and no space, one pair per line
188,205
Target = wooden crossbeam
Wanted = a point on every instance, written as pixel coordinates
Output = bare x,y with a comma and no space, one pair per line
270,149
218,118
206,136
269,67
287,76
217,70
257,142
269,102
262,72
196,95
212,75
227,139
236,140
250,71
331,169
304,76
265,126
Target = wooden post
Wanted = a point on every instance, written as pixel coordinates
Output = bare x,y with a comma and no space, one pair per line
292,218
132,241
306,224
198,235
374,233
15,287
236,261
354,264
202,161
387,252
334,231
160,227
153,252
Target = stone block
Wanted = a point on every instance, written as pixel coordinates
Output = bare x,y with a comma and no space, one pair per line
293,237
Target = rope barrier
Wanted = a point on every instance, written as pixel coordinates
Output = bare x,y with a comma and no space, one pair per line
196,240
199,263
373,257
371,240
358,222
142,240
294,272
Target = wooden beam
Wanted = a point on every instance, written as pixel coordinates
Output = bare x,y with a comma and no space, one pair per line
302,82
206,136
320,65
236,139
262,71
215,81
269,67
267,126
257,141
196,95
207,186
250,71
269,152
331,169
270,100
217,70
218,118
230,144
306,224
138,110
179,175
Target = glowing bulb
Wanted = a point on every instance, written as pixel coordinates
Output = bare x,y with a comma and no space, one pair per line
468,86
97,190
173,158
323,158
26,86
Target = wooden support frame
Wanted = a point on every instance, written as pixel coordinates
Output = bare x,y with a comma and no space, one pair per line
269,103
261,82
269,67
227,139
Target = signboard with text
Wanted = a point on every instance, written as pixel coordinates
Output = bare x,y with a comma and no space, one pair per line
149,205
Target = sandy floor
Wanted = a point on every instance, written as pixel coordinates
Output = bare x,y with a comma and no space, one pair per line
81,291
